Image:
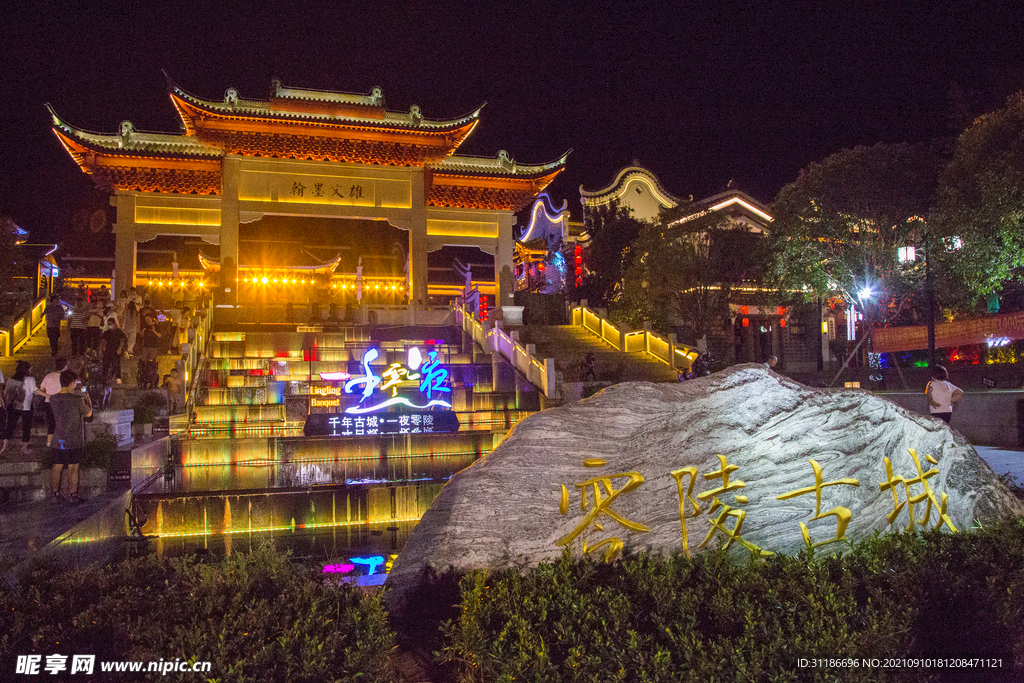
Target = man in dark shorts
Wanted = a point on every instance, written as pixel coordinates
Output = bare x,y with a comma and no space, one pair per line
114,344
70,408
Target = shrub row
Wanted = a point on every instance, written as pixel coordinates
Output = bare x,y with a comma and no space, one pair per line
262,617
711,618
255,617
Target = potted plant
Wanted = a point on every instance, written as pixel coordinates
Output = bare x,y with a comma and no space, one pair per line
147,407
99,451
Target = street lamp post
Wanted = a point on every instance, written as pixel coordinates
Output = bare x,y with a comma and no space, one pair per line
908,254
929,295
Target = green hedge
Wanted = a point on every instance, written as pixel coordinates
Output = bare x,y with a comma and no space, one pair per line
711,618
255,617
261,617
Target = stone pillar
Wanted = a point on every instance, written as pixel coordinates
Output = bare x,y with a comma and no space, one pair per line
418,238
229,231
503,261
124,249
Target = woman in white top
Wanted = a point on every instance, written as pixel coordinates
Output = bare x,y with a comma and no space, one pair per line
941,394
121,305
19,391
130,326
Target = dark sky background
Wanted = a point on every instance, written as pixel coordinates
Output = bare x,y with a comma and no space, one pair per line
699,93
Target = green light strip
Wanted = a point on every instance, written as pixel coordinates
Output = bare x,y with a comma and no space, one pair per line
263,463
190,534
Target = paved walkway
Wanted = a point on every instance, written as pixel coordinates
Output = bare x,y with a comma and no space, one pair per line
1003,460
27,528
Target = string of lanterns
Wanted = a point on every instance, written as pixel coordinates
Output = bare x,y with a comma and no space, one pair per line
175,283
369,285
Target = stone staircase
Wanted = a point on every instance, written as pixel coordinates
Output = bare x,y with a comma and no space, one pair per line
37,352
570,344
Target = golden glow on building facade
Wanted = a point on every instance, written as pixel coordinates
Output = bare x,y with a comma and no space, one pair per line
305,154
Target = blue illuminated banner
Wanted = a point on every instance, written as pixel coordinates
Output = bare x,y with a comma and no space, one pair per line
345,424
381,391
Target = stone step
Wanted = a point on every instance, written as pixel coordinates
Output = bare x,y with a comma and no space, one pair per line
29,487
569,345
19,468
260,413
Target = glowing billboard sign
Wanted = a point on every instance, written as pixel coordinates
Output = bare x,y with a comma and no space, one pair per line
432,380
381,424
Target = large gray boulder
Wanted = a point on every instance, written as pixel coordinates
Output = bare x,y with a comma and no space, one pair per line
510,507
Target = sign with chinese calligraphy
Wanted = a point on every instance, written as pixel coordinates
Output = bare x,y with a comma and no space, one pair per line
422,374
956,333
342,424
743,460
316,183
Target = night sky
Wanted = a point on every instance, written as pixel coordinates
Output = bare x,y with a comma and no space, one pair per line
701,94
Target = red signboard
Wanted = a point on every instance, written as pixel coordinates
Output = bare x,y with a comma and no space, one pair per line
957,333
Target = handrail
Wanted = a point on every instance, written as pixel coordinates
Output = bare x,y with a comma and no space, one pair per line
539,371
22,328
668,351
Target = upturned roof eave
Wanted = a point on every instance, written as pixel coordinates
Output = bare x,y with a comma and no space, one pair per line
621,178
496,167
174,146
224,110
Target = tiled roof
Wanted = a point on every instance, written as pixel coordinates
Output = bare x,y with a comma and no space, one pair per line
233,106
617,187
501,165
375,98
135,143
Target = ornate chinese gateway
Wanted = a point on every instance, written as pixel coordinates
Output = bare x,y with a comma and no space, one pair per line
307,165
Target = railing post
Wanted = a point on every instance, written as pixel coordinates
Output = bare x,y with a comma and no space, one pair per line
550,383
487,342
672,350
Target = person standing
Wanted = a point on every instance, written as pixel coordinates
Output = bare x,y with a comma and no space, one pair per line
149,377
147,309
588,367
130,325
114,343
70,408
48,388
18,394
941,394
94,325
79,326
55,315
173,386
182,319
121,305
108,315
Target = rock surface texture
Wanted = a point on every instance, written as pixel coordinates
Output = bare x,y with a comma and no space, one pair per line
510,509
